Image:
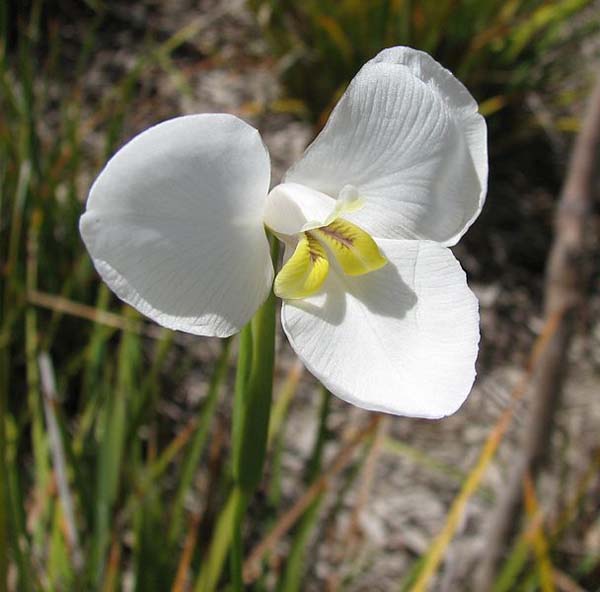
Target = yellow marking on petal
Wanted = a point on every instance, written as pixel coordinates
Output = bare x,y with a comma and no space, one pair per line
304,272
354,249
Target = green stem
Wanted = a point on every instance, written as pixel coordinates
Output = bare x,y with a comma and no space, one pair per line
242,376
256,405
244,360
251,413
198,443
237,547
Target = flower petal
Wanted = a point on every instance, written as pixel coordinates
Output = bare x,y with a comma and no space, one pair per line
292,208
354,250
408,136
174,224
304,272
401,340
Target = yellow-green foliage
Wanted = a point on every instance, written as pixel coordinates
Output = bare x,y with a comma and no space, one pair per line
494,46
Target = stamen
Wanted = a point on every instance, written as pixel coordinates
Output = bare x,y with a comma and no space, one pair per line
348,201
354,250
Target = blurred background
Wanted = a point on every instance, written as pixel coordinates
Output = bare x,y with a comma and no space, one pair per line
114,433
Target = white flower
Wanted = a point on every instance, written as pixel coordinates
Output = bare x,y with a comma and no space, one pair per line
374,302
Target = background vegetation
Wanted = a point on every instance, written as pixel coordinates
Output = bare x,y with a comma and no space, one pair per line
114,434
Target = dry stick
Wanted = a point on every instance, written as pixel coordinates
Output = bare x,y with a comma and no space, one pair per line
287,520
565,284
58,457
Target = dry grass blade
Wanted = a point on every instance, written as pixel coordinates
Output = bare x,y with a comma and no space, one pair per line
564,583
441,542
540,543
368,474
583,483
350,539
89,313
58,457
287,520
186,555
157,467
112,569
516,561
284,398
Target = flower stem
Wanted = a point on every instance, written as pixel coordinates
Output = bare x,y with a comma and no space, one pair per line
244,360
237,547
250,442
251,413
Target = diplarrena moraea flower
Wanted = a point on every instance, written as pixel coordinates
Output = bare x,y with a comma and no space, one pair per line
374,302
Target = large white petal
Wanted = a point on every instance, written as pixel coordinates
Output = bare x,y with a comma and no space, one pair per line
174,223
401,340
408,136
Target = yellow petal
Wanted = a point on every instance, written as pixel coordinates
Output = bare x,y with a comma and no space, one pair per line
355,251
304,272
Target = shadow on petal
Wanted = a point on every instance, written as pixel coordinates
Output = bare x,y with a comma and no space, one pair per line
383,292
329,304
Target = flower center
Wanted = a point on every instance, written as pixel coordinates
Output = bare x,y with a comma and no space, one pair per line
355,252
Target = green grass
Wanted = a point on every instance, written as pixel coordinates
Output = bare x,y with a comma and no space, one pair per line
500,50
109,380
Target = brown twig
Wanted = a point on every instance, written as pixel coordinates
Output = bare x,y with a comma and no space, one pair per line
565,289
287,520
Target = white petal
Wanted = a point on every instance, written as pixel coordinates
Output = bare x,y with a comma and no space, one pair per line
174,224
292,208
401,340
408,136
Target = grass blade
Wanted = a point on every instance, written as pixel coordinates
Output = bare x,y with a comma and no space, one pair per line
212,566
200,437
295,566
